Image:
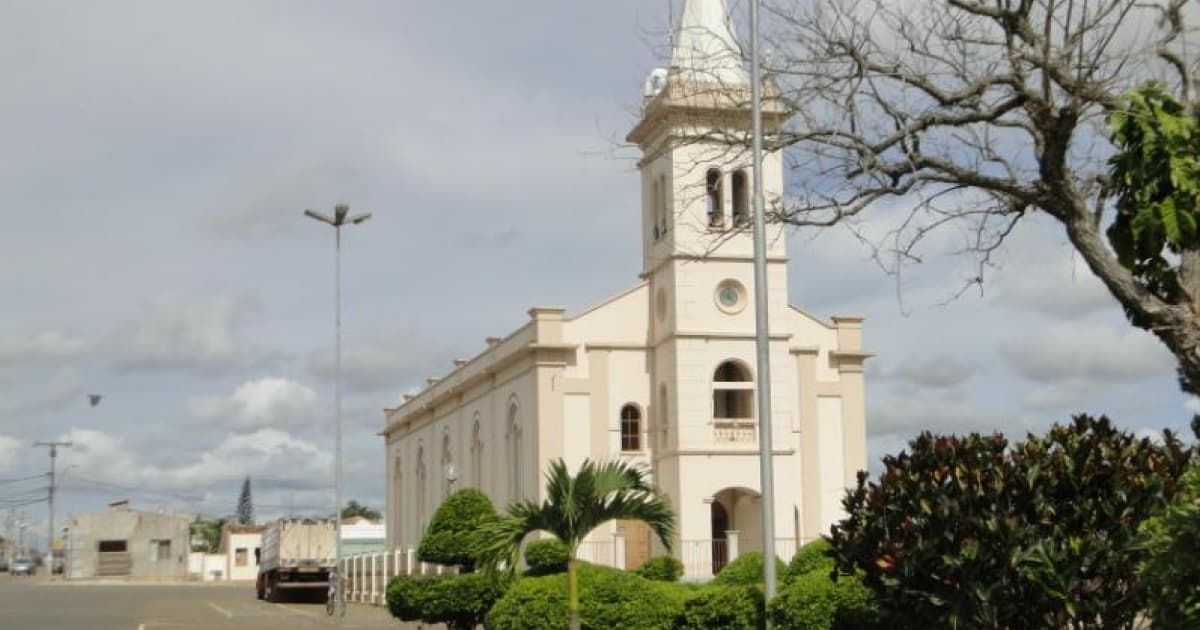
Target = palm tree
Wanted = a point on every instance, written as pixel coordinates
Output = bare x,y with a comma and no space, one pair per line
574,506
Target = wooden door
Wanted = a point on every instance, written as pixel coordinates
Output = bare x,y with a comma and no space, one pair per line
637,542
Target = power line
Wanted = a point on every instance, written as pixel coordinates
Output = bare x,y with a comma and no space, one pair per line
20,479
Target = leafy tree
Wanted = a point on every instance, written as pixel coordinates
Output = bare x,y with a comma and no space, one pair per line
1172,571
354,508
972,115
970,532
452,537
574,506
245,506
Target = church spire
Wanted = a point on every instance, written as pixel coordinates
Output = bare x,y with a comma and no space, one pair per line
705,50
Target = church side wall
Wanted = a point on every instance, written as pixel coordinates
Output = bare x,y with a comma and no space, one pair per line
419,457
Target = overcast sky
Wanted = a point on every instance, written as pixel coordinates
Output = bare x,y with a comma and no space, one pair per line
155,158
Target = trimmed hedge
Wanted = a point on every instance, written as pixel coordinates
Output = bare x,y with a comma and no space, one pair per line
608,598
747,570
725,607
661,569
806,604
546,557
811,557
453,533
813,601
459,601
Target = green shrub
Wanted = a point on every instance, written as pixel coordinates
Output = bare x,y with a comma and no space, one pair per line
747,570
972,531
811,557
661,569
725,607
459,601
1172,572
452,537
608,598
403,594
546,557
807,603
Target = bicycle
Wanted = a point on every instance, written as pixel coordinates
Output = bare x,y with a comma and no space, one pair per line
331,600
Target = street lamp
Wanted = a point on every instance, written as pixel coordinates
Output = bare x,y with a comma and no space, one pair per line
340,217
451,478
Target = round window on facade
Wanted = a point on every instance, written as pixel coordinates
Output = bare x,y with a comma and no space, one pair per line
731,296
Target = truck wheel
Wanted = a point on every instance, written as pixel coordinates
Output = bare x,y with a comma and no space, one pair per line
273,594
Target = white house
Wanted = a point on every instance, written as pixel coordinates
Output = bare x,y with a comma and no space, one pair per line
241,545
663,373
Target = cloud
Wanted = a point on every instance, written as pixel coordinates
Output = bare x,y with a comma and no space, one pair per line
266,454
63,389
177,331
45,347
1060,289
9,447
935,370
264,402
1088,351
388,357
948,412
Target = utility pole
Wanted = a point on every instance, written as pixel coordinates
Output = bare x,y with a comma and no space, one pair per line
50,527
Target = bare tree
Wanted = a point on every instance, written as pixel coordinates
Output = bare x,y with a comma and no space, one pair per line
968,115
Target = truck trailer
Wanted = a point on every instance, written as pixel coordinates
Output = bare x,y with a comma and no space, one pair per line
297,554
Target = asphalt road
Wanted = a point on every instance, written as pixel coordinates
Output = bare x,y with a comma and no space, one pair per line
38,604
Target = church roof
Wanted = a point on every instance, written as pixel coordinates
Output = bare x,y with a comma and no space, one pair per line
705,49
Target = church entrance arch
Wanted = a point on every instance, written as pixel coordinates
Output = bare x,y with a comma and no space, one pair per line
738,510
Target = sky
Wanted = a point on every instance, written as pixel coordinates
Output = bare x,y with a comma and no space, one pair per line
156,158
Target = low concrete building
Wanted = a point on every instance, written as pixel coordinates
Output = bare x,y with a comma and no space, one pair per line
123,542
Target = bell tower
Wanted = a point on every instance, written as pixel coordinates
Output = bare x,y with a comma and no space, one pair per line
694,135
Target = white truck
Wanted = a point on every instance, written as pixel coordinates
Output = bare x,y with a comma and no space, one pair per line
296,554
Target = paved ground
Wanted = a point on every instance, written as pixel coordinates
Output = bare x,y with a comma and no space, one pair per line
37,604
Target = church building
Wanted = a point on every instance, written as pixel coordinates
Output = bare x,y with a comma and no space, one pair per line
662,374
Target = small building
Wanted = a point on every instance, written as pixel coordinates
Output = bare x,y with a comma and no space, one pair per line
241,546
123,542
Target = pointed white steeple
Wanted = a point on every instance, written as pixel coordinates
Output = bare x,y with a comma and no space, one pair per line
705,49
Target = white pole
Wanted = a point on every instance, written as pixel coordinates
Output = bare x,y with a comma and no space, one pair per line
761,321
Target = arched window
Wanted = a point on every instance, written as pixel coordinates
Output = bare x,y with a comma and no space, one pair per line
656,210
514,452
447,462
715,195
631,428
664,415
741,198
476,455
661,203
733,392
420,493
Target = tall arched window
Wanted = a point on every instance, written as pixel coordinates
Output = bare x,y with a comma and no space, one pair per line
421,494
514,452
661,204
631,428
714,193
741,198
664,415
397,502
733,392
447,461
476,455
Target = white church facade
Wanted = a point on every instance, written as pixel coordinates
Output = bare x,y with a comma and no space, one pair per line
663,373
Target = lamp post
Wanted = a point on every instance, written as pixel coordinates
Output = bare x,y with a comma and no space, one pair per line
761,330
340,217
